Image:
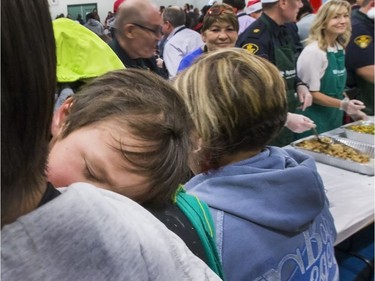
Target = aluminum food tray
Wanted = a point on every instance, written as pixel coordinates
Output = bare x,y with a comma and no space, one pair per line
362,168
362,137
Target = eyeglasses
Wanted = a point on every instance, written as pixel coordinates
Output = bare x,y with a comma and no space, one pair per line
157,31
218,10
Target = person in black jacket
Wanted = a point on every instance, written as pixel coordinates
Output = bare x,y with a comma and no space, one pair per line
360,55
137,33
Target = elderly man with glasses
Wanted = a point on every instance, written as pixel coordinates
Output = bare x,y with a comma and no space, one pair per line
138,30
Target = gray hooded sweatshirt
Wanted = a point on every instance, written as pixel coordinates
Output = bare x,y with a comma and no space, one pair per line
93,234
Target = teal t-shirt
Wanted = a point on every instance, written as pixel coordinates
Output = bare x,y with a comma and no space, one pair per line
199,215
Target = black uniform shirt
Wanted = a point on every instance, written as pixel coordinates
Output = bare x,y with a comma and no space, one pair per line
360,50
360,53
261,39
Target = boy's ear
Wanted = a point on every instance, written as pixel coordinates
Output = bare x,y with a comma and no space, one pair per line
195,157
196,142
197,145
59,116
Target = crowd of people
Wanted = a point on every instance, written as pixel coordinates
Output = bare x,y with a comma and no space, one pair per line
152,146
278,32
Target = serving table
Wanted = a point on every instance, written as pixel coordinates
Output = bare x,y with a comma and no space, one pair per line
351,196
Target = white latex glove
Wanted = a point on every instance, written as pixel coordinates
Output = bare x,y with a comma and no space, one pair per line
359,116
352,107
298,123
304,97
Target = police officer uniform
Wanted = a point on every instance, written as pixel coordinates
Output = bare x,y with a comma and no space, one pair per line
360,53
275,42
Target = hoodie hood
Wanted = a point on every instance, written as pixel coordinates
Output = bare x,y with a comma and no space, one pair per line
278,188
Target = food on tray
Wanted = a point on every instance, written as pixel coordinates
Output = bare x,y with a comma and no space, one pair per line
336,150
365,129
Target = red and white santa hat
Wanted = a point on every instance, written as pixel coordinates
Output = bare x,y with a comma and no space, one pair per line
253,6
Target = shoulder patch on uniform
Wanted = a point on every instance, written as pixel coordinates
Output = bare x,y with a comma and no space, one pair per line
251,48
363,41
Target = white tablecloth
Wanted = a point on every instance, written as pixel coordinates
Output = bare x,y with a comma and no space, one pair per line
351,197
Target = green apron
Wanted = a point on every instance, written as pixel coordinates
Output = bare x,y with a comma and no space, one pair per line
285,61
331,84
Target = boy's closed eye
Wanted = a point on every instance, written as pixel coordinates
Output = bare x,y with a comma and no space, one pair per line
89,172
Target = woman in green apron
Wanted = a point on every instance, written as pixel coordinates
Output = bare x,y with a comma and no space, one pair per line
321,66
